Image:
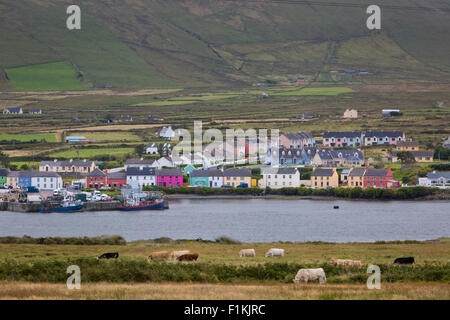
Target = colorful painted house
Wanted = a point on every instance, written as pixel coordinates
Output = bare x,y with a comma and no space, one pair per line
383,137
12,179
343,139
324,178
407,146
188,169
117,180
96,179
212,178
379,178
297,140
237,178
419,155
356,178
3,175
169,178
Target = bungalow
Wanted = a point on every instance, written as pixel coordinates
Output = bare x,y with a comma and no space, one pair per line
435,179
96,179
297,140
383,137
140,177
338,158
141,163
169,178
237,178
212,178
35,111
343,139
276,178
407,146
419,155
117,180
356,178
13,111
379,178
3,175
350,114
71,139
389,112
68,166
324,178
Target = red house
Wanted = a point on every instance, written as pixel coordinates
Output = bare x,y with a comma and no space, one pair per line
379,178
96,179
117,180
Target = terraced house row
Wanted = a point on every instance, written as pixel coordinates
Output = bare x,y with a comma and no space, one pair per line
214,178
358,138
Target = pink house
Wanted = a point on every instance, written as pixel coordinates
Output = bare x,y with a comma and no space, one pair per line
169,178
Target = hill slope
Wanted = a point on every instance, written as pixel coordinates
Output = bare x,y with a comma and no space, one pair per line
170,43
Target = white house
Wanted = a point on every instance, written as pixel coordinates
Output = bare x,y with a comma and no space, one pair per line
167,133
276,178
141,163
12,111
351,114
436,179
164,162
152,148
46,180
138,178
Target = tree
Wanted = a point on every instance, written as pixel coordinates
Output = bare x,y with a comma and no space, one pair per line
4,159
139,149
406,157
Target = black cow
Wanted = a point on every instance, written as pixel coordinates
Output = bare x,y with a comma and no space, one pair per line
109,255
407,260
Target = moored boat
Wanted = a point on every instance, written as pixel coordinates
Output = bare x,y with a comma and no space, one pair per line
142,206
66,206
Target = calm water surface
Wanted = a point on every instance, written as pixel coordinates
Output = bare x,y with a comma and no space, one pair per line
255,220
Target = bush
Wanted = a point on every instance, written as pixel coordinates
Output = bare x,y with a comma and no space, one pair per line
102,240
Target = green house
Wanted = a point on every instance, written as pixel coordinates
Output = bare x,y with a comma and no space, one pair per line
189,168
199,178
3,175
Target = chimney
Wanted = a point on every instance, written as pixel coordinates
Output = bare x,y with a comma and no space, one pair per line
71,160
55,160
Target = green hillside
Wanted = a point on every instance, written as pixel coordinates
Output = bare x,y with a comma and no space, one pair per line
193,43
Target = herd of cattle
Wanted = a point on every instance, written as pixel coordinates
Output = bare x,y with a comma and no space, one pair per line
303,275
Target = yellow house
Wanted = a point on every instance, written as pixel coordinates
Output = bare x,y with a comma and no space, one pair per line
12,179
65,166
237,177
355,178
407,146
324,178
419,155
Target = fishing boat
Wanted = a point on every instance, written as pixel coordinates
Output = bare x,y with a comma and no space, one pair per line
135,200
65,206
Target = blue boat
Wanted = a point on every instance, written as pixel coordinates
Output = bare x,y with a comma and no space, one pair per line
149,206
67,206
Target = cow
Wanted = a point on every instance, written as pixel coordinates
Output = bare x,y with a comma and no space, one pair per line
247,253
109,255
188,257
175,254
305,275
349,263
158,255
407,260
275,253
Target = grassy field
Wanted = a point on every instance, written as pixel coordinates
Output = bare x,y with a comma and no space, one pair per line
169,291
323,91
39,271
107,136
49,137
47,76
87,153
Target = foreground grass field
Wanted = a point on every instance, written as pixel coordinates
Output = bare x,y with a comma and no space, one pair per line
397,291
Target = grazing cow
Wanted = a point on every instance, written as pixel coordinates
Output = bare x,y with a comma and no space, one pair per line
275,253
349,263
175,254
188,257
158,255
305,275
109,255
247,253
407,260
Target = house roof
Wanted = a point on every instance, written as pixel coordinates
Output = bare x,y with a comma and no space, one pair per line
357,172
3,172
14,110
279,171
343,134
376,173
169,172
207,173
330,154
29,174
290,152
117,175
415,153
437,175
140,172
303,135
407,144
96,173
66,163
139,161
322,172
382,134
237,173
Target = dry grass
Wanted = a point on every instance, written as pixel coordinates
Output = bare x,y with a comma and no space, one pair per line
397,291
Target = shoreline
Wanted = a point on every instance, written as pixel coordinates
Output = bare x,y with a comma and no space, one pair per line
180,196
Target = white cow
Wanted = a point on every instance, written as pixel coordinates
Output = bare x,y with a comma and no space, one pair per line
346,262
305,275
275,253
175,254
247,253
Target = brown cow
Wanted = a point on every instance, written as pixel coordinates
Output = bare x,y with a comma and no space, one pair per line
158,255
188,257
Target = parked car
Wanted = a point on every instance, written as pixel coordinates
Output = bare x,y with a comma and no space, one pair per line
105,188
32,189
105,197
